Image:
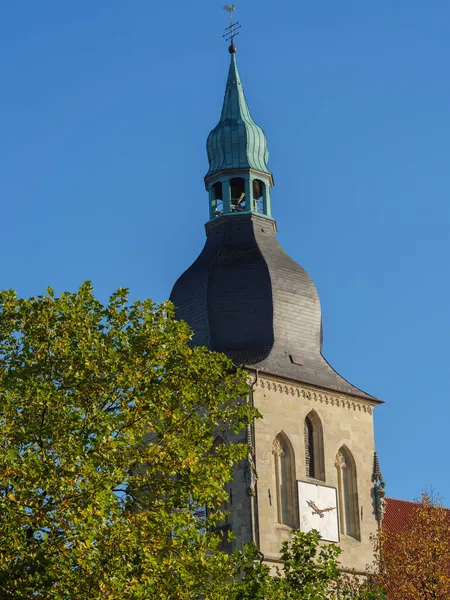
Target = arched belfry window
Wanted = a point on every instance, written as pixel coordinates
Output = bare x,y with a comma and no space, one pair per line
238,199
217,199
348,493
285,481
258,196
314,458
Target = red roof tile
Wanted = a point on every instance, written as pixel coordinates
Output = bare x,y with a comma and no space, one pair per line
399,514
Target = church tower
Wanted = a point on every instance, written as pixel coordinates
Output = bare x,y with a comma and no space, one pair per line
311,459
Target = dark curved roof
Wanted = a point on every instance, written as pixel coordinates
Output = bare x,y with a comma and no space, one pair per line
246,297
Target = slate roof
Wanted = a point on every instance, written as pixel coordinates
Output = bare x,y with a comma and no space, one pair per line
246,297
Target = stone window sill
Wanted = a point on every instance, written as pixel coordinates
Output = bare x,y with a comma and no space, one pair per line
315,480
350,539
283,527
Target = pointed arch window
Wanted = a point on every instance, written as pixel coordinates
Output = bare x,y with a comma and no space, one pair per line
285,482
347,493
314,456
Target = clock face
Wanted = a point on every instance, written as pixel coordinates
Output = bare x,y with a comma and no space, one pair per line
318,510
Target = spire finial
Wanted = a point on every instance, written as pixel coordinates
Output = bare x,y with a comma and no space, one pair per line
378,491
232,30
377,477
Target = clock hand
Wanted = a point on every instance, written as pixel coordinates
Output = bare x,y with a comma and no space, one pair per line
328,509
312,505
315,508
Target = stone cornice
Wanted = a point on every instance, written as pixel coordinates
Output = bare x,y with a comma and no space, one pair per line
315,395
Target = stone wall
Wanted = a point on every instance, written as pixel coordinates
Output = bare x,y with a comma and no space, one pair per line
346,421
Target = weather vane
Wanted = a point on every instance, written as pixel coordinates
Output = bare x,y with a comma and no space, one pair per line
232,31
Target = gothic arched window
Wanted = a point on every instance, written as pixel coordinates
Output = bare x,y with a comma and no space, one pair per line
314,459
285,482
348,493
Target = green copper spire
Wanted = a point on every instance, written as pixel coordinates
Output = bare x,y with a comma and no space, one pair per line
236,142
238,179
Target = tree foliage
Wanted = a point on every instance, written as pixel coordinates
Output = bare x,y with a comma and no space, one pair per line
415,561
107,420
309,571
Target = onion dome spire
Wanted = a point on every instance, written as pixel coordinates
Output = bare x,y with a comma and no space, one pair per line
238,179
243,295
236,142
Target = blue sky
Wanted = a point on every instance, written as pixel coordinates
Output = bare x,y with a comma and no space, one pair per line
104,112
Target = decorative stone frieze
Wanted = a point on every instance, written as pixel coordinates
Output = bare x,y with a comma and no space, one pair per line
313,395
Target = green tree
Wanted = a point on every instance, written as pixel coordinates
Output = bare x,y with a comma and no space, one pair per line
107,421
310,571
